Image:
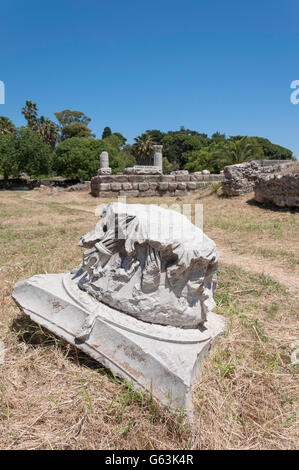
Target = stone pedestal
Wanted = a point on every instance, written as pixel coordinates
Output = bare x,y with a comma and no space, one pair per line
164,360
143,170
104,164
141,302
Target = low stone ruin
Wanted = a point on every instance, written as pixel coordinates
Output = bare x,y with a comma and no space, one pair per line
140,303
148,180
142,185
280,188
241,178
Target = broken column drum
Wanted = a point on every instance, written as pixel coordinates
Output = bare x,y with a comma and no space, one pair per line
104,164
158,157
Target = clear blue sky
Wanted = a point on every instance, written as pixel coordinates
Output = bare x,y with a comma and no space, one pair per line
135,65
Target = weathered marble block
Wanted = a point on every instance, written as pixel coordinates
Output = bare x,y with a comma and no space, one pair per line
141,302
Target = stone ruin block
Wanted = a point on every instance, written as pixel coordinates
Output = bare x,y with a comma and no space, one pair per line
131,193
163,186
167,178
143,170
120,178
172,186
179,172
180,192
143,186
104,186
135,178
116,186
149,193
152,178
281,190
140,303
104,171
106,194
182,178
105,178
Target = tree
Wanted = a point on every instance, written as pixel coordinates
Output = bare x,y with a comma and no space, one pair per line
6,126
121,160
30,113
73,124
176,143
33,154
106,132
116,140
167,167
218,136
47,129
75,129
79,158
144,149
198,160
237,151
156,135
271,150
8,156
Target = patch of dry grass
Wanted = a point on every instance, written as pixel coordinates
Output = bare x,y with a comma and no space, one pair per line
52,396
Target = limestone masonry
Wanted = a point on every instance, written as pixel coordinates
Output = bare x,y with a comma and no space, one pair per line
241,178
279,189
144,183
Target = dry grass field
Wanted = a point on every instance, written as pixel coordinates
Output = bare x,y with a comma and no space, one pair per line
52,396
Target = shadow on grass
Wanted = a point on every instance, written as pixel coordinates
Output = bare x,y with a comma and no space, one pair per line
37,336
271,207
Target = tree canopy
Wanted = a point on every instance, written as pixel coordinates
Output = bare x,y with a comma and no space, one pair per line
24,151
6,126
70,149
79,157
73,124
106,132
8,156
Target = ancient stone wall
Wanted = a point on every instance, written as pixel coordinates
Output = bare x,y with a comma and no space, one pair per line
241,178
149,185
279,189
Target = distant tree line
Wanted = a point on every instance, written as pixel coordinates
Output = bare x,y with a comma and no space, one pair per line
43,148
195,151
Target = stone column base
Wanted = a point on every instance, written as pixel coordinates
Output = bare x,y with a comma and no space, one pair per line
164,360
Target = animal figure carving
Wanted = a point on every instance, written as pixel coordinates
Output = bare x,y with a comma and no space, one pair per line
151,263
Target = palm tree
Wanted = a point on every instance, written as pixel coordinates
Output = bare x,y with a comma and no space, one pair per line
144,149
30,113
6,126
234,152
48,131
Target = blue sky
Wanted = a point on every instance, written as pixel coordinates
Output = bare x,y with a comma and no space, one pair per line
134,65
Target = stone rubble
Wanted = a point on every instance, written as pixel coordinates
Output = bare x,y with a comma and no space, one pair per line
241,178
